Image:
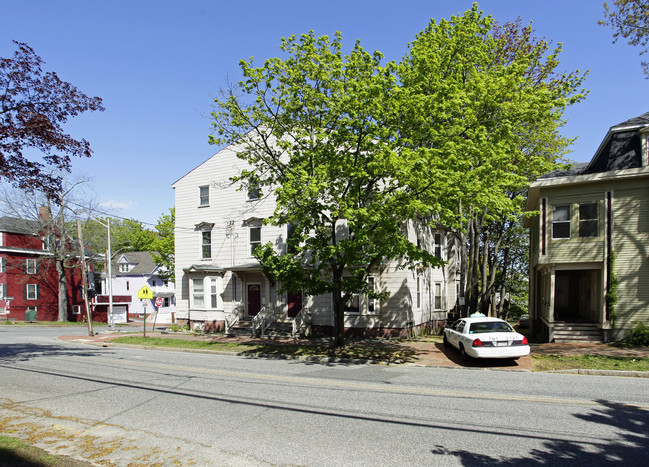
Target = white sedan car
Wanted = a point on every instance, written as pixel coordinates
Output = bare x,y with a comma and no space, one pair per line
486,338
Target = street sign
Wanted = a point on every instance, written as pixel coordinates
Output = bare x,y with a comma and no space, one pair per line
158,301
145,292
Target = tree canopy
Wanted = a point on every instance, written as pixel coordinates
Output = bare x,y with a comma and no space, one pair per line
354,150
33,105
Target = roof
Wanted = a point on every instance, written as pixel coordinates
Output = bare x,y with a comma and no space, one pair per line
18,225
143,260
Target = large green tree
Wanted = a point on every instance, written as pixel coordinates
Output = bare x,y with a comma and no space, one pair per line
163,247
630,20
485,104
318,132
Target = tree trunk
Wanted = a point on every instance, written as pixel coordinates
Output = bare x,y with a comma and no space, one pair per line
339,318
63,291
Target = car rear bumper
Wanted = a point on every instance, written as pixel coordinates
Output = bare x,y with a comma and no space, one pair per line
499,352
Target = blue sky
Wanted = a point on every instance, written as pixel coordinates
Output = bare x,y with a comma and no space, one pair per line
158,64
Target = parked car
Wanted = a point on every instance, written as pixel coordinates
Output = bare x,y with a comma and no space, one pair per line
486,338
524,321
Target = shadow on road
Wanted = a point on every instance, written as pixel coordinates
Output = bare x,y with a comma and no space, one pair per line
23,352
626,444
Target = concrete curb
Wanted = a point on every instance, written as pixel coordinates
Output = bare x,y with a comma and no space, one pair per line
629,374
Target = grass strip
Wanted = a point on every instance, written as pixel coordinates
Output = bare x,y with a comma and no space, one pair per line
384,352
588,362
15,453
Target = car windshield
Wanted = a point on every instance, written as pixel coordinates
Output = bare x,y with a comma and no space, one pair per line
490,326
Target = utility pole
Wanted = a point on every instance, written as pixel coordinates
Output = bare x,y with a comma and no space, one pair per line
84,278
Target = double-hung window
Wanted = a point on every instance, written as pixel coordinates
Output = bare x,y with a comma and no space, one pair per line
198,293
255,238
438,245
438,295
213,293
204,195
30,266
588,225
254,190
206,244
561,221
31,291
371,302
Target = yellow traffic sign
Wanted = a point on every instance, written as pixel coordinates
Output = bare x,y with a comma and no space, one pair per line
145,292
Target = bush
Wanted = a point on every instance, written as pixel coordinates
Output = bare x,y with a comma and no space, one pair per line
639,335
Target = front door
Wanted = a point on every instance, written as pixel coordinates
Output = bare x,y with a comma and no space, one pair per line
254,299
294,304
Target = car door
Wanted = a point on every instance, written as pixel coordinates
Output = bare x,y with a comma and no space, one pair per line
455,333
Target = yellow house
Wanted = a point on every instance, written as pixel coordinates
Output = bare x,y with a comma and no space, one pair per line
592,230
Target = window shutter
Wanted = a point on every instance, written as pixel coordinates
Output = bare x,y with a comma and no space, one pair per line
25,266
3,264
38,292
25,291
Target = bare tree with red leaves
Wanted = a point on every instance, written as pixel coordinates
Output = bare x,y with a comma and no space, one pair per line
33,105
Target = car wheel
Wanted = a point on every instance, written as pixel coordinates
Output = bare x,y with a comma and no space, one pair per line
463,355
445,342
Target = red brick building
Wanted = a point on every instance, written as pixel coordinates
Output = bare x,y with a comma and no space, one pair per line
28,277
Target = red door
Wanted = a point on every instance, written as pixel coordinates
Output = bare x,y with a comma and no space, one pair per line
254,299
294,304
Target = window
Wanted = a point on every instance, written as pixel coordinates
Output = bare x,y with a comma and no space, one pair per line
128,285
153,282
3,264
31,291
254,192
561,221
165,302
3,291
353,304
290,236
438,296
438,245
206,244
30,266
255,239
213,293
588,220
371,303
204,195
418,292
198,293
76,309
123,267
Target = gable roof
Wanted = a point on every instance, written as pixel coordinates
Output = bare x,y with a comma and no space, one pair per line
621,147
143,260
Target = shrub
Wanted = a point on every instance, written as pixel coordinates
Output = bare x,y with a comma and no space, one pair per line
639,335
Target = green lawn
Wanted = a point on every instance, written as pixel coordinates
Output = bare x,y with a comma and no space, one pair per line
15,453
588,362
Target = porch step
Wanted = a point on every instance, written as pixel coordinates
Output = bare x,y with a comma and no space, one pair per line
577,332
241,328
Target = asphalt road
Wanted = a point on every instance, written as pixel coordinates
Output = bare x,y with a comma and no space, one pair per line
145,407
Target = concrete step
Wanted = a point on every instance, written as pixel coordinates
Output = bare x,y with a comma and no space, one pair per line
577,332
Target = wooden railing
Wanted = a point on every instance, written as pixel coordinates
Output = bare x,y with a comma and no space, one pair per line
300,321
234,318
262,320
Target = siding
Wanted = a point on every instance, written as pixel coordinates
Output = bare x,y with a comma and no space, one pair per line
631,244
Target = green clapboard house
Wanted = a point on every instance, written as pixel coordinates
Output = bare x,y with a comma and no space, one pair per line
589,252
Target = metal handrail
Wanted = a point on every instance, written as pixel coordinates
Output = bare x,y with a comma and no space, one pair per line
234,318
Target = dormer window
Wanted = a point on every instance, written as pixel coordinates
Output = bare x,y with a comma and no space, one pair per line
123,267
